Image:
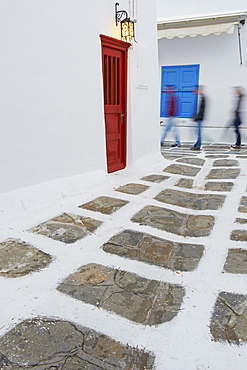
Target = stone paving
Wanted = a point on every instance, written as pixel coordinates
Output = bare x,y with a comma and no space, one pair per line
229,320
190,200
55,344
18,258
156,251
143,274
133,189
67,228
144,301
223,173
175,222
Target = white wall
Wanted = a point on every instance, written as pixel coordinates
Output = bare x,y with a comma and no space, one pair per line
51,106
183,8
220,69
143,134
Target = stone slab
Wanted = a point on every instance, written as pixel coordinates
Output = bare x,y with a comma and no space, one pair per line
229,319
219,186
43,343
225,163
18,258
241,220
175,222
223,173
243,205
132,189
239,235
67,227
172,156
216,147
236,261
185,183
217,156
155,178
147,248
191,200
106,205
148,302
180,169
192,161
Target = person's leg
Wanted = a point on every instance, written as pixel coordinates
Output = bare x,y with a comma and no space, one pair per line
199,134
166,130
176,134
237,123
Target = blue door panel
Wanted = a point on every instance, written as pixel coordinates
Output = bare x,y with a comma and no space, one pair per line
184,78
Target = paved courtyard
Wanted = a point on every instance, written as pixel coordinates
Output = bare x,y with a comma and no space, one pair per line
147,271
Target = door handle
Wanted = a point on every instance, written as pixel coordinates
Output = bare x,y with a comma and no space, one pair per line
121,117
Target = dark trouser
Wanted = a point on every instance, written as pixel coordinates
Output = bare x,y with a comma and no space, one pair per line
237,123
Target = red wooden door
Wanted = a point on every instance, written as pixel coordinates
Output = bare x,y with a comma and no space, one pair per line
114,65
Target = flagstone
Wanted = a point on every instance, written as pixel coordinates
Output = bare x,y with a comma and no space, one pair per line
155,178
185,183
44,343
106,205
243,205
241,220
171,156
217,156
218,186
141,300
192,161
67,228
229,319
225,163
223,173
191,200
239,235
133,189
155,251
216,146
175,222
180,169
236,262
18,258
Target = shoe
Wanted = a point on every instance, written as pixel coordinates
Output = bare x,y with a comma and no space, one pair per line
195,148
235,146
174,145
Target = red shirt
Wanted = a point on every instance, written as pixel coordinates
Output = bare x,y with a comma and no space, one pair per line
172,106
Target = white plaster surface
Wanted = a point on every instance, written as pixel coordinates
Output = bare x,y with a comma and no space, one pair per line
182,8
51,93
182,344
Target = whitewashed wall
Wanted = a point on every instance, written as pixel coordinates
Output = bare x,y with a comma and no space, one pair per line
51,106
220,70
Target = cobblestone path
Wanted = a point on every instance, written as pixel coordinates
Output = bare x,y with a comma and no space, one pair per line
145,272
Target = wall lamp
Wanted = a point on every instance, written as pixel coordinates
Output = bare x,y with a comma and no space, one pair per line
127,26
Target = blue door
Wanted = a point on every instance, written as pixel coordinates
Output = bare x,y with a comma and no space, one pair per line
184,79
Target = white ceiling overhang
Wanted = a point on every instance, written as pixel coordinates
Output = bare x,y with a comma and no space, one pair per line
201,25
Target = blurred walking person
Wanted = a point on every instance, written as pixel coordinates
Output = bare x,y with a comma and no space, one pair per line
237,119
172,113
198,118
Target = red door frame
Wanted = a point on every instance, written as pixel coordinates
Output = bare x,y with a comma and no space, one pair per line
115,102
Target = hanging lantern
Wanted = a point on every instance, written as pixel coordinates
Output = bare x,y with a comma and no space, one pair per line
127,26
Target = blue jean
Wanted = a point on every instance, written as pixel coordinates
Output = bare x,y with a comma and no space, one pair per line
169,126
237,123
199,134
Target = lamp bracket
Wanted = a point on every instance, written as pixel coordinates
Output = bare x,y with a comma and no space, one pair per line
120,13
